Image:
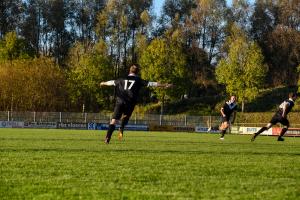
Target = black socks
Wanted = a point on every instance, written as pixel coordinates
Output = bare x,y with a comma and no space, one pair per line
223,133
110,131
261,130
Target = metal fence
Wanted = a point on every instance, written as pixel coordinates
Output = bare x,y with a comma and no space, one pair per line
143,119
175,120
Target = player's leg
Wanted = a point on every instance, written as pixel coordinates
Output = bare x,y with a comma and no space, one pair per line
286,124
112,125
110,130
124,120
275,119
223,128
269,125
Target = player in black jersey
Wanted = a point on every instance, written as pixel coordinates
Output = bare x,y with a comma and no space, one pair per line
227,110
280,117
127,93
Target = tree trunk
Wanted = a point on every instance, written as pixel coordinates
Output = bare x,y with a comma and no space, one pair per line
243,105
162,106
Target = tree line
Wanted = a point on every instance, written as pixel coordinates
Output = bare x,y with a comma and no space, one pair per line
53,54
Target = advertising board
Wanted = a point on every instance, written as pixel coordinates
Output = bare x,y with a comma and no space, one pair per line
131,127
11,124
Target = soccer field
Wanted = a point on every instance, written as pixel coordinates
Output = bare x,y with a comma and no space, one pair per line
73,164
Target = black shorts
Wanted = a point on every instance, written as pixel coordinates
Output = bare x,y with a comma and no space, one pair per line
225,119
277,118
122,108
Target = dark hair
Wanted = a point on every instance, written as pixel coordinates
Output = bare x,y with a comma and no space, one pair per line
135,68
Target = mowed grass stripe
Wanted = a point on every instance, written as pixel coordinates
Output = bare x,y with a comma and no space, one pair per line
72,164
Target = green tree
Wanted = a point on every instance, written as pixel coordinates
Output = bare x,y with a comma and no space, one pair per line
200,26
202,73
176,12
205,26
262,21
203,23
87,69
123,25
12,47
32,26
275,26
85,18
240,13
283,55
242,71
10,15
56,15
165,61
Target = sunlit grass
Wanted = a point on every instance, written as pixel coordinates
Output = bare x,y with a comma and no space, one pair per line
72,164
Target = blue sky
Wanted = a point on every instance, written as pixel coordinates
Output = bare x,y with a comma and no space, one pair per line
157,5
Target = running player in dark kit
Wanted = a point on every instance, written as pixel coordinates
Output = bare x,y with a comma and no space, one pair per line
127,93
227,110
280,117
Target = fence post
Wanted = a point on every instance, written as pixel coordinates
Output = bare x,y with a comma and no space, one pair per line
185,120
85,117
59,116
160,120
34,116
7,115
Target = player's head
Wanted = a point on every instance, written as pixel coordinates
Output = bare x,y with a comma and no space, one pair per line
293,95
232,98
134,69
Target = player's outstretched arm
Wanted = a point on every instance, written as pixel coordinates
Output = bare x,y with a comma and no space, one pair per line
222,112
165,85
161,85
107,83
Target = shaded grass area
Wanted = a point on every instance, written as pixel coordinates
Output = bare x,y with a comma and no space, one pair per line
69,164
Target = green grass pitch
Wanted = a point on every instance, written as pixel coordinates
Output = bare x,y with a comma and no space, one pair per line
74,164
